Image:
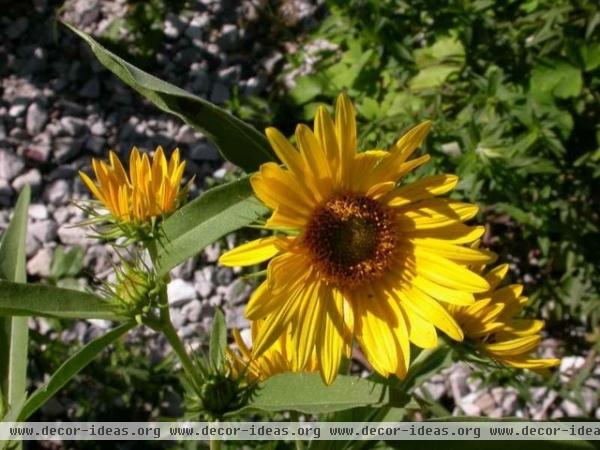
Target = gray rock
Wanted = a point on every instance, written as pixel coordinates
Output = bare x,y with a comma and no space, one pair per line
174,26
177,317
224,276
485,402
43,230
17,28
571,409
58,193
180,292
219,93
66,147
39,152
40,264
38,211
96,144
204,151
229,37
5,193
32,177
73,126
17,110
74,235
98,128
32,245
36,118
10,165
203,281
91,89
195,29
192,311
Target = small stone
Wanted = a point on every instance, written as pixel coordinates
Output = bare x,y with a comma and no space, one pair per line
40,264
177,318
32,245
10,165
485,403
467,404
98,128
212,252
192,311
195,29
36,118
571,409
39,152
458,382
38,211
204,151
91,89
510,403
17,110
229,37
203,281
66,147
58,193
74,235
219,94
32,177
5,193
17,28
43,230
73,126
180,291
96,144
174,26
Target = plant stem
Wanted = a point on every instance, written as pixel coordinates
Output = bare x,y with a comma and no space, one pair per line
215,444
178,348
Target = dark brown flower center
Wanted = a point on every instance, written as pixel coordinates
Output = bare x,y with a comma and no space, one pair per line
351,239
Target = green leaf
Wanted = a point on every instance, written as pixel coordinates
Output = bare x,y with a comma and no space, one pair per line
425,365
306,393
238,142
70,368
555,78
212,215
437,62
20,299
66,263
218,341
14,331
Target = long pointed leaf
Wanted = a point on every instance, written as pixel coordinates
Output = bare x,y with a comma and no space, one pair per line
207,218
19,299
306,393
70,368
14,331
238,142
218,340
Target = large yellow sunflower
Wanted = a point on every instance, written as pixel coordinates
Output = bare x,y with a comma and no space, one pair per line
355,253
492,325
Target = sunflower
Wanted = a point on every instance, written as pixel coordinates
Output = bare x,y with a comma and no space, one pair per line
491,323
354,253
151,189
276,359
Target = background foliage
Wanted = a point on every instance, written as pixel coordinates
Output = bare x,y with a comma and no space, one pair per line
512,88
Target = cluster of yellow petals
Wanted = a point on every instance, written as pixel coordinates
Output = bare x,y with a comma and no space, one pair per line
279,358
150,189
493,324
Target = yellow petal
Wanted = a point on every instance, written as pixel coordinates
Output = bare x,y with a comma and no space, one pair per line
421,190
250,253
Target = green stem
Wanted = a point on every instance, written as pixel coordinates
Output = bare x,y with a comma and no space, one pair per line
179,348
215,444
166,326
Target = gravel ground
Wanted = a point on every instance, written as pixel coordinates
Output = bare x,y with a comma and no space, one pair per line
59,107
